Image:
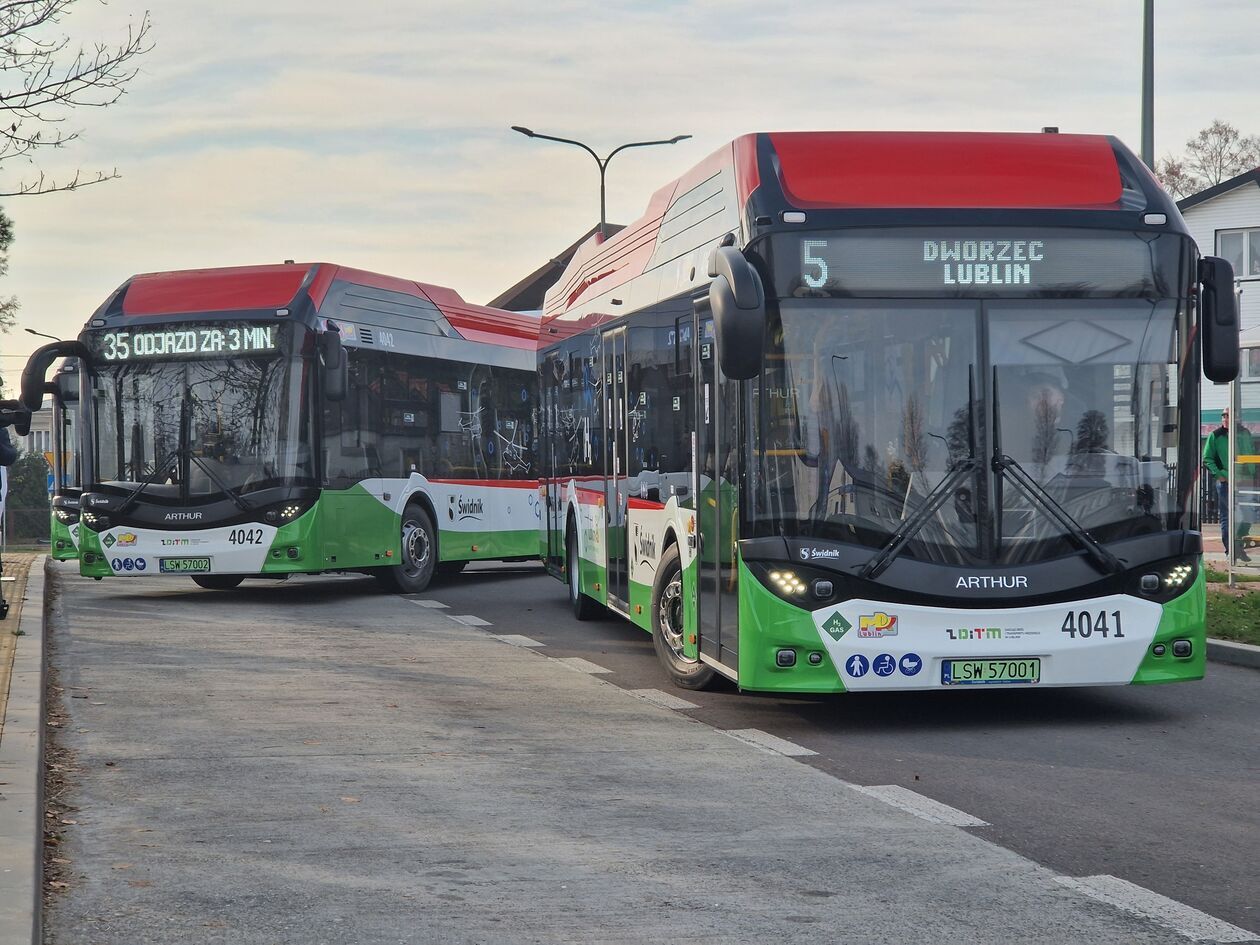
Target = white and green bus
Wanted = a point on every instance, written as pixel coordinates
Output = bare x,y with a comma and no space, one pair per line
271,420
67,486
876,411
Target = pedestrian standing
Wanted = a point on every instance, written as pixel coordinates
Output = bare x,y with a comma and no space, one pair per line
1216,459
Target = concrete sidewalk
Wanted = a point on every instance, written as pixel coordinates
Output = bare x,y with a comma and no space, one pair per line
320,763
21,750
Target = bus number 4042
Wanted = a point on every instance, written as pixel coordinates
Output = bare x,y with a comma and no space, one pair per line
1085,624
246,536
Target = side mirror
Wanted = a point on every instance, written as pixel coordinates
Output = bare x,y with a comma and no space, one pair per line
738,303
14,414
35,374
336,364
1218,319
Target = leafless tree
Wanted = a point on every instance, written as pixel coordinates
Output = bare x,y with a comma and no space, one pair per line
44,75
1215,154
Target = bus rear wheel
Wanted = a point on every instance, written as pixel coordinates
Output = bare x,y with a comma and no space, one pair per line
419,554
584,608
668,632
217,582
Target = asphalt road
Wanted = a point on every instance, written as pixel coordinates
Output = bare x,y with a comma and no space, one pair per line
1159,785
1155,785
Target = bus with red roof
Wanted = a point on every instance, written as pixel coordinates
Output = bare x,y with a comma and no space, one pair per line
850,411
270,420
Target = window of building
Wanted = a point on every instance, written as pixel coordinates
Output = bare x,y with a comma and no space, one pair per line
1242,249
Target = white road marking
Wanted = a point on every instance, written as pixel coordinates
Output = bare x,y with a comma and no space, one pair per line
581,665
663,699
469,620
517,639
755,736
427,603
922,807
1169,913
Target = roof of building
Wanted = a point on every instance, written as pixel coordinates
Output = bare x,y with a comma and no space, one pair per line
1249,177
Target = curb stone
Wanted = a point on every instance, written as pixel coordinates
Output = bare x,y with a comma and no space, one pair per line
22,770
1239,654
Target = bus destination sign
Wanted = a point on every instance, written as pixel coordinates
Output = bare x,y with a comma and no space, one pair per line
965,262
188,341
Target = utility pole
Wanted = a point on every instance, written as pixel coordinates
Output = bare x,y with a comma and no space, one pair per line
1148,83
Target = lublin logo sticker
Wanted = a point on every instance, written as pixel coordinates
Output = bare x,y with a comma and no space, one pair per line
126,539
836,626
877,625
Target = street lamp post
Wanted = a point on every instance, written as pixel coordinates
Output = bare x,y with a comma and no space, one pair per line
32,331
601,162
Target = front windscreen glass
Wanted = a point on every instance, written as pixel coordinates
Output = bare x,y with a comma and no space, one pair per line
865,412
200,428
870,414
1087,406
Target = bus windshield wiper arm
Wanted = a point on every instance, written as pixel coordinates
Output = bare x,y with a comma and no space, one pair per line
934,499
130,498
1003,463
205,467
911,526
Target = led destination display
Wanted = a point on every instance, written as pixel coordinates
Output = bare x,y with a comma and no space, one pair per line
187,341
967,262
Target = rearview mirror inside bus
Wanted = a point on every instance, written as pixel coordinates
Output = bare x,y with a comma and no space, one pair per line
35,374
738,303
1218,319
336,365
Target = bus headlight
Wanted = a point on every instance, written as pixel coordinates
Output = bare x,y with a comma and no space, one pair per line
787,583
95,521
66,516
1178,576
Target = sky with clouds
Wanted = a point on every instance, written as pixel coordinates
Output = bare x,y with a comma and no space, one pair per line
375,133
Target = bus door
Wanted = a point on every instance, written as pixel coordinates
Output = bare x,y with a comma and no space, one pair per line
616,455
553,505
717,412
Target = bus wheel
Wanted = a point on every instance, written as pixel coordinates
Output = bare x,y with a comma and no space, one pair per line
449,568
584,608
217,582
419,554
667,625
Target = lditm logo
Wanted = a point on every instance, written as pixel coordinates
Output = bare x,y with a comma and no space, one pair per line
976,633
877,625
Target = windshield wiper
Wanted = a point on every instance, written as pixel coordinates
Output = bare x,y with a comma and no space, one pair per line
1034,491
130,498
933,500
241,502
911,526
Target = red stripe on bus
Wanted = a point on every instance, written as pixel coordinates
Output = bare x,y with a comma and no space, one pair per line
492,483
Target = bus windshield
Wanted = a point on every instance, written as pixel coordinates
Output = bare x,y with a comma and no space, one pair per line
196,430
875,414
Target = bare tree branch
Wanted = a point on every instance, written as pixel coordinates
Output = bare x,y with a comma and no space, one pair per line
43,78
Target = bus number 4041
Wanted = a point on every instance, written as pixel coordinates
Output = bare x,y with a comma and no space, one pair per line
1085,624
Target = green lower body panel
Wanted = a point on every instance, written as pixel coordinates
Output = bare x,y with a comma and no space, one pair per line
1184,618
62,540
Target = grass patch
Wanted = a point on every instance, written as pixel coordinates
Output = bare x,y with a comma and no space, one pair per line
1233,616
1217,576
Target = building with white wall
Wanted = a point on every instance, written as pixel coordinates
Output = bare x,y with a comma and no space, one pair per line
1225,221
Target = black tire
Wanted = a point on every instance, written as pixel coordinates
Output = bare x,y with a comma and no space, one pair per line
419,554
584,608
449,568
667,626
217,582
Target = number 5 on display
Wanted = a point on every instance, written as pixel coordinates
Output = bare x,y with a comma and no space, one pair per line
820,280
